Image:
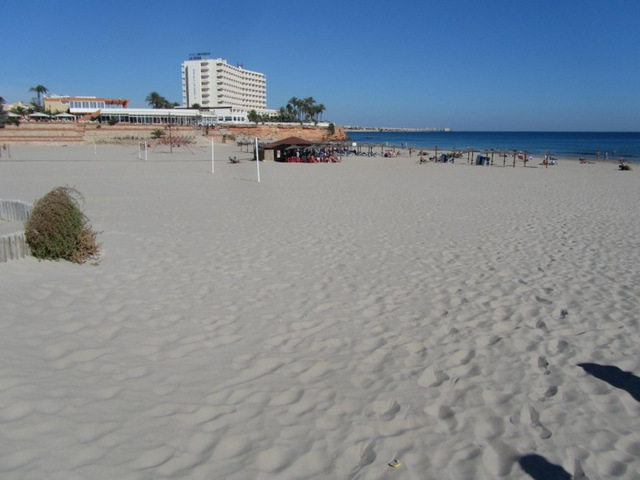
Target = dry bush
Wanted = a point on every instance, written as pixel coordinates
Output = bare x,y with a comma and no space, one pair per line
176,140
58,229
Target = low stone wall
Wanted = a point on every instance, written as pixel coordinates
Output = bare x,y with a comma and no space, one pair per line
42,132
14,245
123,133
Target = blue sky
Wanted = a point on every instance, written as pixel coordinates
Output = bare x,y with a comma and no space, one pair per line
561,65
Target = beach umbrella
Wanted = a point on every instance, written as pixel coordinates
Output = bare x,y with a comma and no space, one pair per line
40,116
65,115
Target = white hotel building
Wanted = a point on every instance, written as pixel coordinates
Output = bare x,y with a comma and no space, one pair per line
226,94
215,85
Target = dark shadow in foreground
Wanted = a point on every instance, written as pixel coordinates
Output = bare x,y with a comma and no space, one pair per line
615,376
540,468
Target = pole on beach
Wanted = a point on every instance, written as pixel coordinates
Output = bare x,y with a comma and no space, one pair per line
95,149
170,135
146,157
212,157
139,153
257,159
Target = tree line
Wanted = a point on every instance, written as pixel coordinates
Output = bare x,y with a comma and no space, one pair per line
296,110
37,105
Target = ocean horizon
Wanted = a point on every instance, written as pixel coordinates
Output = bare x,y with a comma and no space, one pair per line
613,145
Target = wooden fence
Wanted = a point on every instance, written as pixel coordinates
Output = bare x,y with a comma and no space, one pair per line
14,245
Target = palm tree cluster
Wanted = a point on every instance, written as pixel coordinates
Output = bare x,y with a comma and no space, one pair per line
303,109
37,105
155,100
297,110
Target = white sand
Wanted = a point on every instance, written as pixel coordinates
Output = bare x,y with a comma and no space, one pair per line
324,322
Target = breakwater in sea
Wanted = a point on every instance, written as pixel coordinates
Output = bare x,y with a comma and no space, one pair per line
612,145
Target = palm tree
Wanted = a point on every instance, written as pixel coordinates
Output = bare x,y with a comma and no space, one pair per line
315,111
296,106
40,91
155,100
19,110
253,116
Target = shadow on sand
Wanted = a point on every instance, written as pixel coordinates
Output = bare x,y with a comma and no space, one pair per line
539,468
615,376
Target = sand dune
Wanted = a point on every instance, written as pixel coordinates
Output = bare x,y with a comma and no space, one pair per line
468,322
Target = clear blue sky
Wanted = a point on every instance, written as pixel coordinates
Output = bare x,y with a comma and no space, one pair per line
464,64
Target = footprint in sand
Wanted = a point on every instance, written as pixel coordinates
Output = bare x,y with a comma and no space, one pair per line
534,416
542,326
355,458
385,409
530,415
558,346
432,378
543,392
543,365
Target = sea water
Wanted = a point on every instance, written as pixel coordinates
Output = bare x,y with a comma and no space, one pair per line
561,144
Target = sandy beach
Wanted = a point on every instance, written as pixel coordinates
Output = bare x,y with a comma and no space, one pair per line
371,319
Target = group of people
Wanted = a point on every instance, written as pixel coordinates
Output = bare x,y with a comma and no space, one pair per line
314,155
332,158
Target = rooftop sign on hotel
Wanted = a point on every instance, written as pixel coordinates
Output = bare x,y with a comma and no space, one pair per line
199,56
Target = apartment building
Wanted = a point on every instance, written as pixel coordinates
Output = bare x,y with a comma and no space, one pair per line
213,83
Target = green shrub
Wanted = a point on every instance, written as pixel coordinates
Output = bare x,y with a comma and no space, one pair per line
58,229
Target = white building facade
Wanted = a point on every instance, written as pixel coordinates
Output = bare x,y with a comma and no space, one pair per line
213,83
